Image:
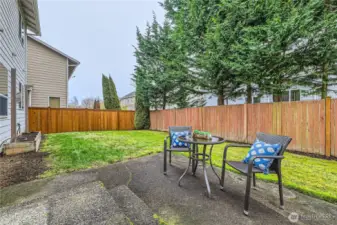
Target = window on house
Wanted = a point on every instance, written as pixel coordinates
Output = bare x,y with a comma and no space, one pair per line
285,96
19,95
295,95
54,102
3,91
256,100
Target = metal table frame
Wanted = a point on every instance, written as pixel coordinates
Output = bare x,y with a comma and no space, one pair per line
194,157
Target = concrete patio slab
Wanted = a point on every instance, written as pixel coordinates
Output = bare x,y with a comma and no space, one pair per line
132,206
187,204
35,213
86,204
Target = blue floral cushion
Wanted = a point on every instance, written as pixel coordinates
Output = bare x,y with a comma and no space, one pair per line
262,148
175,143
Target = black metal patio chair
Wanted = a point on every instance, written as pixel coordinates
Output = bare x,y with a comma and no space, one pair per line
170,149
249,170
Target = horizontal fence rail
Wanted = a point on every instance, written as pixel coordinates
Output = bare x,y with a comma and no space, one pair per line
58,120
311,124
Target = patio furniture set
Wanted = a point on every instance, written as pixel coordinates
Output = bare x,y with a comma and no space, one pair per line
265,156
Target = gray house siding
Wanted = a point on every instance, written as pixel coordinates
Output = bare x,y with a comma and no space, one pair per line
213,100
48,74
12,55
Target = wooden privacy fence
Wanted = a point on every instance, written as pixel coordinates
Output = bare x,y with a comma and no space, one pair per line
311,124
50,120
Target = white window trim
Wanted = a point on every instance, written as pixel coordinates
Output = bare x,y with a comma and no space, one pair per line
291,94
4,116
53,97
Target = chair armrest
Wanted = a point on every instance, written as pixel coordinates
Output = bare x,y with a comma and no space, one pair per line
252,159
233,146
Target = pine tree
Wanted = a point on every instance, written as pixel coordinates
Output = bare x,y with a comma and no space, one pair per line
97,104
232,48
115,104
317,53
106,92
142,115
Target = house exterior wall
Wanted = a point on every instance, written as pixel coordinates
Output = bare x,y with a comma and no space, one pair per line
12,55
213,100
48,74
128,103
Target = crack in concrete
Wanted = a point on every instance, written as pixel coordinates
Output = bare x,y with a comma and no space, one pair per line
130,176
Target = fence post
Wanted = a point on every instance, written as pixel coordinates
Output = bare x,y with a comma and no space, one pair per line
202,118
175,118
327,126
87,120
117,119
48,120
245,122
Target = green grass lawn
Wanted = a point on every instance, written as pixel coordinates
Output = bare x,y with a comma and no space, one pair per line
74,151
80,150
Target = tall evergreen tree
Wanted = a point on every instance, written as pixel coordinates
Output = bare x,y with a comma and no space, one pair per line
191,21
232,48
97,104
115,104
317,53
142,115
106,92
110,97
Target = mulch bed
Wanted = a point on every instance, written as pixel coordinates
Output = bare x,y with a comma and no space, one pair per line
27,137
22,167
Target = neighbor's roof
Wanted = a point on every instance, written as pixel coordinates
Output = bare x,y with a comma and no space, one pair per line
73,63
30,12
130,95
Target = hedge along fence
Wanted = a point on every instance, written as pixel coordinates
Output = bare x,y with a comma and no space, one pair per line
311,124
51,120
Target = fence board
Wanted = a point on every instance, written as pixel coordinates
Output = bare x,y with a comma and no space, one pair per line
334,127
125,118
260,119
153,120
181,115
48,120
304,121
169,118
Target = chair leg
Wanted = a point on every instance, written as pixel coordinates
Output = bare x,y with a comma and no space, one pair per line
280,188
170,159
223,171
247,196
195,162
165,161
254,180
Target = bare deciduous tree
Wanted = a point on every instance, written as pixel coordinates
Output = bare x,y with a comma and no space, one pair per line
73,103
88,103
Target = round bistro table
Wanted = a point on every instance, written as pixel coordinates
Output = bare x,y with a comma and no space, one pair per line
195,156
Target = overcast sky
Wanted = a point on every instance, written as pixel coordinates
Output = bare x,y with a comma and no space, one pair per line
100,34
